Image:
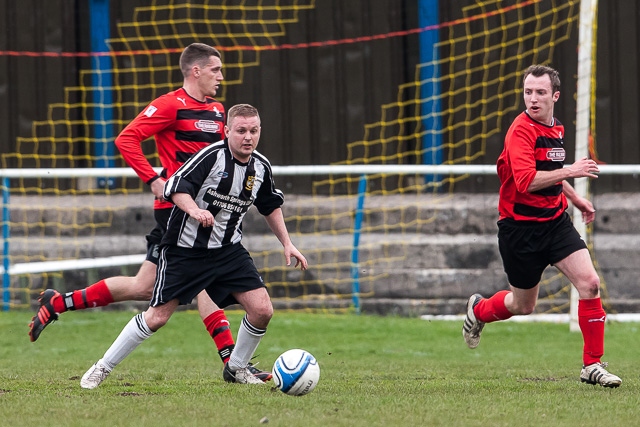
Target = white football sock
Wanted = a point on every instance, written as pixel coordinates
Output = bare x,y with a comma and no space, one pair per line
129,339
248,340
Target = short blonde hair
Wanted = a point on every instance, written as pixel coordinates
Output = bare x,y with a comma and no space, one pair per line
242,110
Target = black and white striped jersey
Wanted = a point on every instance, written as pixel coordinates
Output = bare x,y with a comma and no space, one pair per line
224,186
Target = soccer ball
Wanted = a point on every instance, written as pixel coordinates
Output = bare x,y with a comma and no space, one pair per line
296,372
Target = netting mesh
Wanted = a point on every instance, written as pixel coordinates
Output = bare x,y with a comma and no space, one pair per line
479,76
473,83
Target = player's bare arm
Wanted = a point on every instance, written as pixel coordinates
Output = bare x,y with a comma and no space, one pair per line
275,220
189,206
583,168
584,205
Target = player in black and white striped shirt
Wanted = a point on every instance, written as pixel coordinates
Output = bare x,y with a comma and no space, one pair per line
202,247
226,187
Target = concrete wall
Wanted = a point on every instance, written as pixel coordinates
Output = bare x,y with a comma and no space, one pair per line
431,267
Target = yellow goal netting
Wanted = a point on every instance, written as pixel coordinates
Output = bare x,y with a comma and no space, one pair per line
408,238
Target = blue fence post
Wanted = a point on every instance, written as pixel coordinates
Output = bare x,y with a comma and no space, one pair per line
102,82
6,277
428,16
355,252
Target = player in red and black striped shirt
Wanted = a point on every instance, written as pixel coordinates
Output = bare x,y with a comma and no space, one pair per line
534,229
182,122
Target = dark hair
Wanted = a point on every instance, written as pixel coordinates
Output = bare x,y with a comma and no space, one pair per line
196,53
541,70
242,110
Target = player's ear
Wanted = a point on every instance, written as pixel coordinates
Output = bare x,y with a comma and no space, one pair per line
556,95
226,131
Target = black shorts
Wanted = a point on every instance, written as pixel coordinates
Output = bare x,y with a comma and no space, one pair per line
183,273
528,247
155,236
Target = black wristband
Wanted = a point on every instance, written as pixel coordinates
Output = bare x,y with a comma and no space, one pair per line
153,179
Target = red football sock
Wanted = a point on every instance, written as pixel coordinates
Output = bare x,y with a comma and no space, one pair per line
492,309
58,304
591,318
218,327
96,295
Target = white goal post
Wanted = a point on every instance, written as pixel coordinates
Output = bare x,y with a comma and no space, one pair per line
583,125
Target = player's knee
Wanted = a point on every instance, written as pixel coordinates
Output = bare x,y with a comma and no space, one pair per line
145,294
265,313
590,288
156,320
260,316
522,308
143,289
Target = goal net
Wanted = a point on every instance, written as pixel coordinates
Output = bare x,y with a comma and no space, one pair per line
390,241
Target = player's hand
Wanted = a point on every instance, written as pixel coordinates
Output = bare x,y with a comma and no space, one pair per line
584,168
588,217
292,252
203,216
157,188
586,207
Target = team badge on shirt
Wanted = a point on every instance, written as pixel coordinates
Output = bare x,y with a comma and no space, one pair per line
150,110
215,110
249,185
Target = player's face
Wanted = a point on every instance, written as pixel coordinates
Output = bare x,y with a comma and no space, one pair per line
210,76
539,98
243,134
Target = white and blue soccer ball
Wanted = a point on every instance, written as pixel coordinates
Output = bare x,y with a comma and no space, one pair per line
296,372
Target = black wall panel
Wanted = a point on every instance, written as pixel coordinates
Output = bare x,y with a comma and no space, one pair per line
315,101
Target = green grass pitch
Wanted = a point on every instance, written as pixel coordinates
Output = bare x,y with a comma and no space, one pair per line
375,371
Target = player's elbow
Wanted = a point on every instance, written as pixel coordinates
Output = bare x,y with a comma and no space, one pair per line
525,184
126,139
118,141
525,188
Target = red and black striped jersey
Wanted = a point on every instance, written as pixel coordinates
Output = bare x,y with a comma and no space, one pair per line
180,125
529,147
